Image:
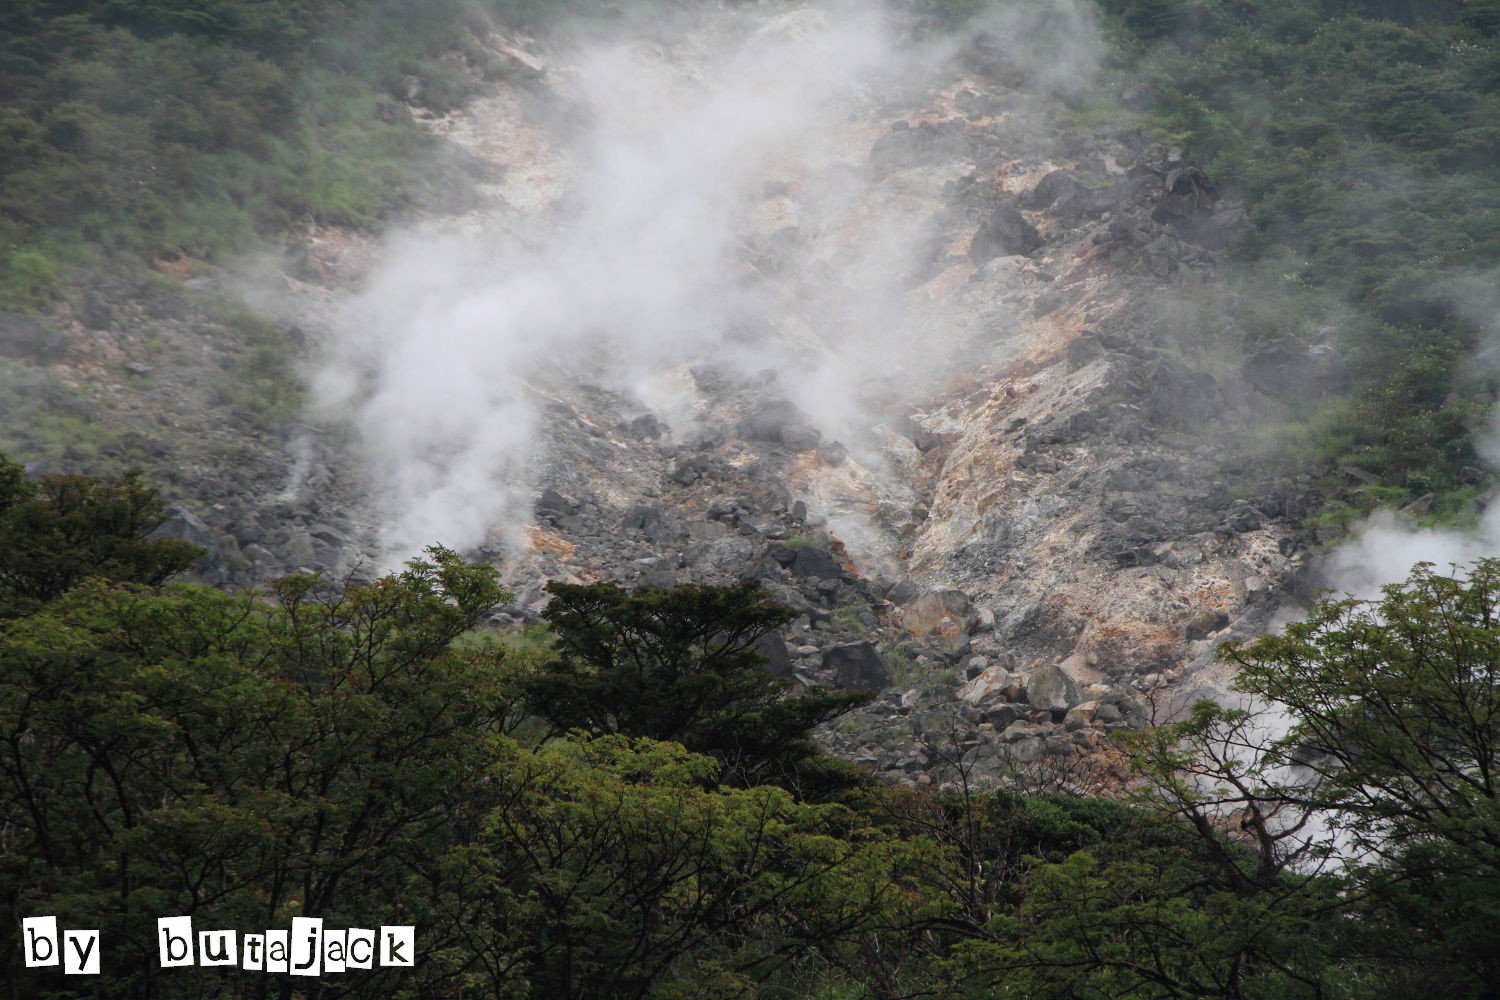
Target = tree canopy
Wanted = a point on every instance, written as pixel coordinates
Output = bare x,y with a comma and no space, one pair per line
681,665
61,529
363,754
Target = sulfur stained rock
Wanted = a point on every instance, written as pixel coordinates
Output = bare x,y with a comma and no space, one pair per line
947,613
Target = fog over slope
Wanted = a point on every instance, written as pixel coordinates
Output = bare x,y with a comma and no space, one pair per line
699,194
668,136
1384,549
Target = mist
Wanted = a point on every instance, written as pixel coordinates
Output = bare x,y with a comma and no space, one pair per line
1387,545
689,154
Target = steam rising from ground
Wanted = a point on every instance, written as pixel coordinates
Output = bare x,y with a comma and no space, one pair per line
1387,547
644,265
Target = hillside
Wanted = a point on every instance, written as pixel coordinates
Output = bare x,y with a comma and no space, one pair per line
1024,354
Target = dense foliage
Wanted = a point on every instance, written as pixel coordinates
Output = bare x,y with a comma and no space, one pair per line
190,128
366,756
1361,136
635,811
1394,713
56,532
695,648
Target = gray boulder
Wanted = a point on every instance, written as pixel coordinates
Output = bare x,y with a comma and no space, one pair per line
1289,368
653,521
186,526
1051,690
816,562
94,310
903,592
778,658
1061,190
728,556
904,147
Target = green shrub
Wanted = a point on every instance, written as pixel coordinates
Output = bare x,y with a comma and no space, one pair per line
29,278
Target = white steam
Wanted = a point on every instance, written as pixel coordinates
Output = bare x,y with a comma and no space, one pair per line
650,259
1387,546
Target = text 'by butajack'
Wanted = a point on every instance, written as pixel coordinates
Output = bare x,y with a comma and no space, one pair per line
308,949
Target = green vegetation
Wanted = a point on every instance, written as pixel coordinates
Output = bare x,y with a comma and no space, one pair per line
622,805
1388,746
355,755
250,757
692,649
1360,135
47,420
56,532
262,384
846,619
135,131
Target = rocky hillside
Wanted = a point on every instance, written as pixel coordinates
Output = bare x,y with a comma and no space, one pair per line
1044,542
1034,537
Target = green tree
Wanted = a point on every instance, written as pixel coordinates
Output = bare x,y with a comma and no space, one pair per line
246,758
680,665
56,532
617,870
1088,900
245,761
1393,742
1363,788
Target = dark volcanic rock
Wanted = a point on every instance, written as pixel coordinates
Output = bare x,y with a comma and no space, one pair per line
781,422
1003,234
1174,395
652,521
94,310
553,504
856,665
904,147
186,526
1203,624
1061,190
1289,368
904,590
1190,205
815,562
1084,349
730,556
778,657
646,427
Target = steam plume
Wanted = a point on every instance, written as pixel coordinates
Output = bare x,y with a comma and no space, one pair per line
642,266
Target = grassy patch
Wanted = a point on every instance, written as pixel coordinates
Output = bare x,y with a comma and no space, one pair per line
49,426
